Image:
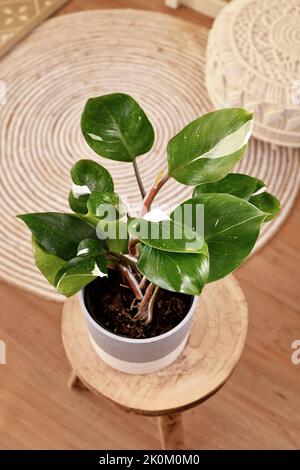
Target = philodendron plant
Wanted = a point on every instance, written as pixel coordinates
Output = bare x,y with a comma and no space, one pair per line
170,252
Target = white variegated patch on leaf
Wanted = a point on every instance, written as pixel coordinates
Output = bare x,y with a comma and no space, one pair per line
156,215
80,190
207,149
78,272
231,143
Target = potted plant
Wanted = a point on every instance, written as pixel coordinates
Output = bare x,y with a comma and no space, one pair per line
139,276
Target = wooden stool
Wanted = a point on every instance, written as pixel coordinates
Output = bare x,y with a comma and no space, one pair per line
214,348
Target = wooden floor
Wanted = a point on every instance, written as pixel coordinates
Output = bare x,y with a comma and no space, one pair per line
257,409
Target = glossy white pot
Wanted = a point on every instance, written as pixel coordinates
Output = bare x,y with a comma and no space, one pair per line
138,356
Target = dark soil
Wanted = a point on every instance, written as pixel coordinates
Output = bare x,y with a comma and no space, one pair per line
109,302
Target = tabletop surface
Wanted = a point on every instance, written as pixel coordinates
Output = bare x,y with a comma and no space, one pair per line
214,348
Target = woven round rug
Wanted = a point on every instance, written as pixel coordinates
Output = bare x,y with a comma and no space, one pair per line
253,60
160,61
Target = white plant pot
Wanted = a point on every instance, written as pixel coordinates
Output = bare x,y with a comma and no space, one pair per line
138,356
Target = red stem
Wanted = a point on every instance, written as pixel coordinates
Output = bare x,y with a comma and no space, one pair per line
143,282
158,184
151,195
151,306
147,295
132,282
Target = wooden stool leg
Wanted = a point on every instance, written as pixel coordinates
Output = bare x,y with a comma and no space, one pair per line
171,431
74,381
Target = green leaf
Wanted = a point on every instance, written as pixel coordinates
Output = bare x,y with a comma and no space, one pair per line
245,187
60,234
116,127
166,235
209,147
115,234
78,272
87,176
78,204
48,264
231,228
91,174
106,205
90,247
266,202
178,272
237,184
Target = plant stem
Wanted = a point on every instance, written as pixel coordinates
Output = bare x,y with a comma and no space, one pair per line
139,179
122,259
132,282
146,306
151,306
147,295
143,304
132,246
158,184
143,282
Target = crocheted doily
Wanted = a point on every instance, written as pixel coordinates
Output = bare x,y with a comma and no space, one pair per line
253,60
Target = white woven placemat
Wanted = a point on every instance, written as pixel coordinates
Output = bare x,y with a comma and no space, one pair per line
154,57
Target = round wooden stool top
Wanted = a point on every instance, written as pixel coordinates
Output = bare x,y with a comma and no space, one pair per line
214,348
